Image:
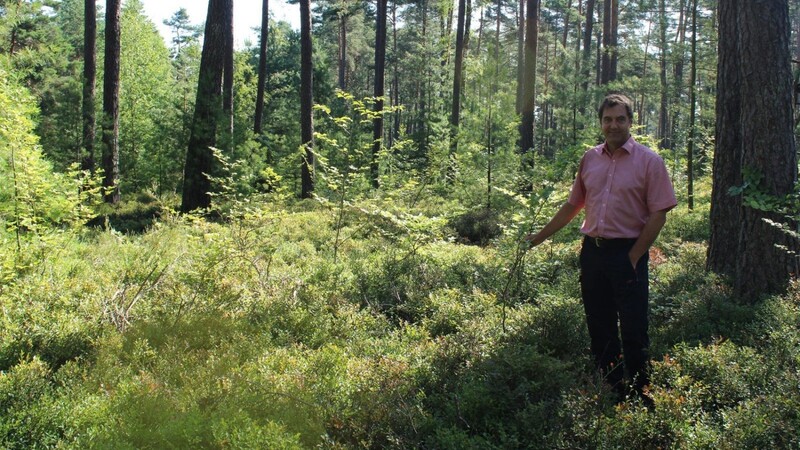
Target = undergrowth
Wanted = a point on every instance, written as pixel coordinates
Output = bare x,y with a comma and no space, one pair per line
269,331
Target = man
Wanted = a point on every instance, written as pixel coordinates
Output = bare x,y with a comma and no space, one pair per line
626,191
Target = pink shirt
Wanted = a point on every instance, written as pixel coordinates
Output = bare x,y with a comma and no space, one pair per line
619,193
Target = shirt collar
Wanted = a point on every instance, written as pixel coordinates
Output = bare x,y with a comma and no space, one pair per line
628,146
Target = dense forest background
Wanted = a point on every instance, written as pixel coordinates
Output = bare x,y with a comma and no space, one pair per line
314,240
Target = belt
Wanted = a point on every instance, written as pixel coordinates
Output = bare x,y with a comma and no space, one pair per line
601,242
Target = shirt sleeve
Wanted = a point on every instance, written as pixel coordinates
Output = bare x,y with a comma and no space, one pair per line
660,193
577,195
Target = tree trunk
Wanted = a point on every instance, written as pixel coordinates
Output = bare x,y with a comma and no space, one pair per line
614,38
262,69
726,209
577,70
457,79
89,82
587,53
395,76
521,56
380,68
566,25
609,62
467,25
644,72
754,136
663,116
306,100
227,80
111,103
342,49
693,112
598,66
680,38
200,163
768,144
529,96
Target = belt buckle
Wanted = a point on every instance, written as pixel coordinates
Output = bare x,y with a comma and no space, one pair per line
599,242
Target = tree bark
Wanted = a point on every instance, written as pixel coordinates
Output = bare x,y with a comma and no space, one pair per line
566,24
455,113
663,116
693,112
644,73
587,53
89,82
395,77
342,49
306,101
680,38
262,69
521,57
754,136
609,62
227,77
725,209
380,75
200,163
768,144
529,96
111,69
614,38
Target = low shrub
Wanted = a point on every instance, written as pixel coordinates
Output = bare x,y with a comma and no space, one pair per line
478,226
132,217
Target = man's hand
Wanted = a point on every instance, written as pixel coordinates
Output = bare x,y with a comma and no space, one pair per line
564,215
634,261
533,239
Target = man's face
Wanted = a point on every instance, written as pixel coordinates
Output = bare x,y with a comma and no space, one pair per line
616,126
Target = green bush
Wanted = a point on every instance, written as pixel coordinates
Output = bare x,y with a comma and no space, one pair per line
30,416
133,217
477,226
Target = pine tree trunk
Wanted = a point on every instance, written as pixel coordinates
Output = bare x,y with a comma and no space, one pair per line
342,50
306,100
644,73
566,25
380,69
610,25
587,53
614,38
227,80
200,162
754,135
455,113
521,56
680,38
693,112
529,96
395,77
111,103
725,209
768,142
89,82
663,116
262,69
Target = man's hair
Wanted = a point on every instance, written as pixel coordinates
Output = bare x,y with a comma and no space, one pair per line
613,100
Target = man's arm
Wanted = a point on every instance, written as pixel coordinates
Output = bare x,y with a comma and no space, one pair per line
564,216
649,234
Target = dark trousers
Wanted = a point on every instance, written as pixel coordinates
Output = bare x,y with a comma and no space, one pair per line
615,299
